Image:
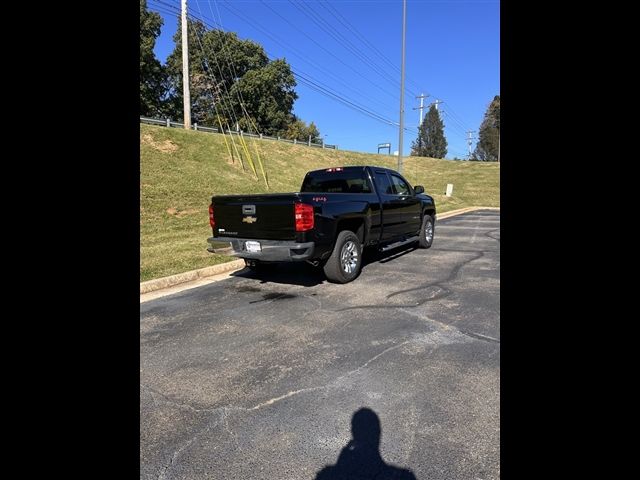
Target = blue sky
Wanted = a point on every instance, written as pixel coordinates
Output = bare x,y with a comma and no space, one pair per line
452,54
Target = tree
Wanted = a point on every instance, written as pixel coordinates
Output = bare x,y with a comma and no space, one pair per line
268,95
237,77
431,141
489,137
152,75
299,130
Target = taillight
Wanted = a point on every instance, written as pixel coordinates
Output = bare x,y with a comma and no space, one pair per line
212,220
304,217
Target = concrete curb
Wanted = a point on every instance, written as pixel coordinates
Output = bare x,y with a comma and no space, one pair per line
170,281
173,280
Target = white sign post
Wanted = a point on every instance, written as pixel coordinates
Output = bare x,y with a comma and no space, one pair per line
449,191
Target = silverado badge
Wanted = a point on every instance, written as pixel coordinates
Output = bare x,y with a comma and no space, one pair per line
249,219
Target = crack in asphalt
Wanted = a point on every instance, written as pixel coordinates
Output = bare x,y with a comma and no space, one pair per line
230,408
174,456
488,234
225,425
479,336
446,326
221,414
282,397
439,283
174,403
445,292
455,271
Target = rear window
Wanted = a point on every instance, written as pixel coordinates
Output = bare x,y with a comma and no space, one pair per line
346,181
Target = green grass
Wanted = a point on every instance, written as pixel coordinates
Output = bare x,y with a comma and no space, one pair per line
180,170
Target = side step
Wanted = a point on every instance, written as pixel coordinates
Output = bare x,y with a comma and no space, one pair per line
400,244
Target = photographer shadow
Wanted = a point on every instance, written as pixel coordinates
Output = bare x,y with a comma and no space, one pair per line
360,459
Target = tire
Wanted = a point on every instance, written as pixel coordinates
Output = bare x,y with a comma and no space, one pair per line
427,231
345,262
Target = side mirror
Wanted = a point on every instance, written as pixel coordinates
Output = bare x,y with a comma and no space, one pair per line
418,189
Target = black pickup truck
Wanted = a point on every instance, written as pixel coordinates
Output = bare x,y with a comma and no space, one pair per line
337,213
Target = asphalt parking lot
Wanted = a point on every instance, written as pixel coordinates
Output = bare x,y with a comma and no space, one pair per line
259,376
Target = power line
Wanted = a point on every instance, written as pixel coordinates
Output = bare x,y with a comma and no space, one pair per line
309,81
303,57
349,26
162,9
207,69
316,85
231,67
250,122
322,88
288,47
454,126
329,29
344,100
343,21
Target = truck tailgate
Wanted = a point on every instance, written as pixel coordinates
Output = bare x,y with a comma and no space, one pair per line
268,217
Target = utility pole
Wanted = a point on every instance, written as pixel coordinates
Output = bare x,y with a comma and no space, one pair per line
436,103
186,99
421,97
404,27
498,145
469,132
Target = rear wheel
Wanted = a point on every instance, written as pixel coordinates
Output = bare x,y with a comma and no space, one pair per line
427,231
345,261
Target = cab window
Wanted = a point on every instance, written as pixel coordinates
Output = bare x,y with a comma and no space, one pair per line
383,185
400,187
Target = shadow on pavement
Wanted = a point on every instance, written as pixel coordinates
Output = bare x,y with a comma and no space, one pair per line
360,458
290,273
306,275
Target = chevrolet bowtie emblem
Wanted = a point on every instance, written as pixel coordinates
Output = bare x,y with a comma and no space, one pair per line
249,219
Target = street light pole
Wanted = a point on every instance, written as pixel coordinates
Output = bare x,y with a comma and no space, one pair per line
404,27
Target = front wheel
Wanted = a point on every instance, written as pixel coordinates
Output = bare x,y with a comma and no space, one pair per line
426,232
345,261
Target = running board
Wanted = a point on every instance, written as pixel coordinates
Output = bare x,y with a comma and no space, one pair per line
400,244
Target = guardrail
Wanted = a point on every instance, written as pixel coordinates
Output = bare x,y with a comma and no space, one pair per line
171,124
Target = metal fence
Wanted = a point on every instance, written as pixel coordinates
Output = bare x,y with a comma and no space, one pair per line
171,124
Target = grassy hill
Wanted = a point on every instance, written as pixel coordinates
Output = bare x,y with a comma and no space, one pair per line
180,170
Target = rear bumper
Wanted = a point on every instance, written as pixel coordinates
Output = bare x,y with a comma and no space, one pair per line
272,250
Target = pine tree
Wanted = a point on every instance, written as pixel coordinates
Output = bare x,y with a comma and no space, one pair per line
431,141
489,137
